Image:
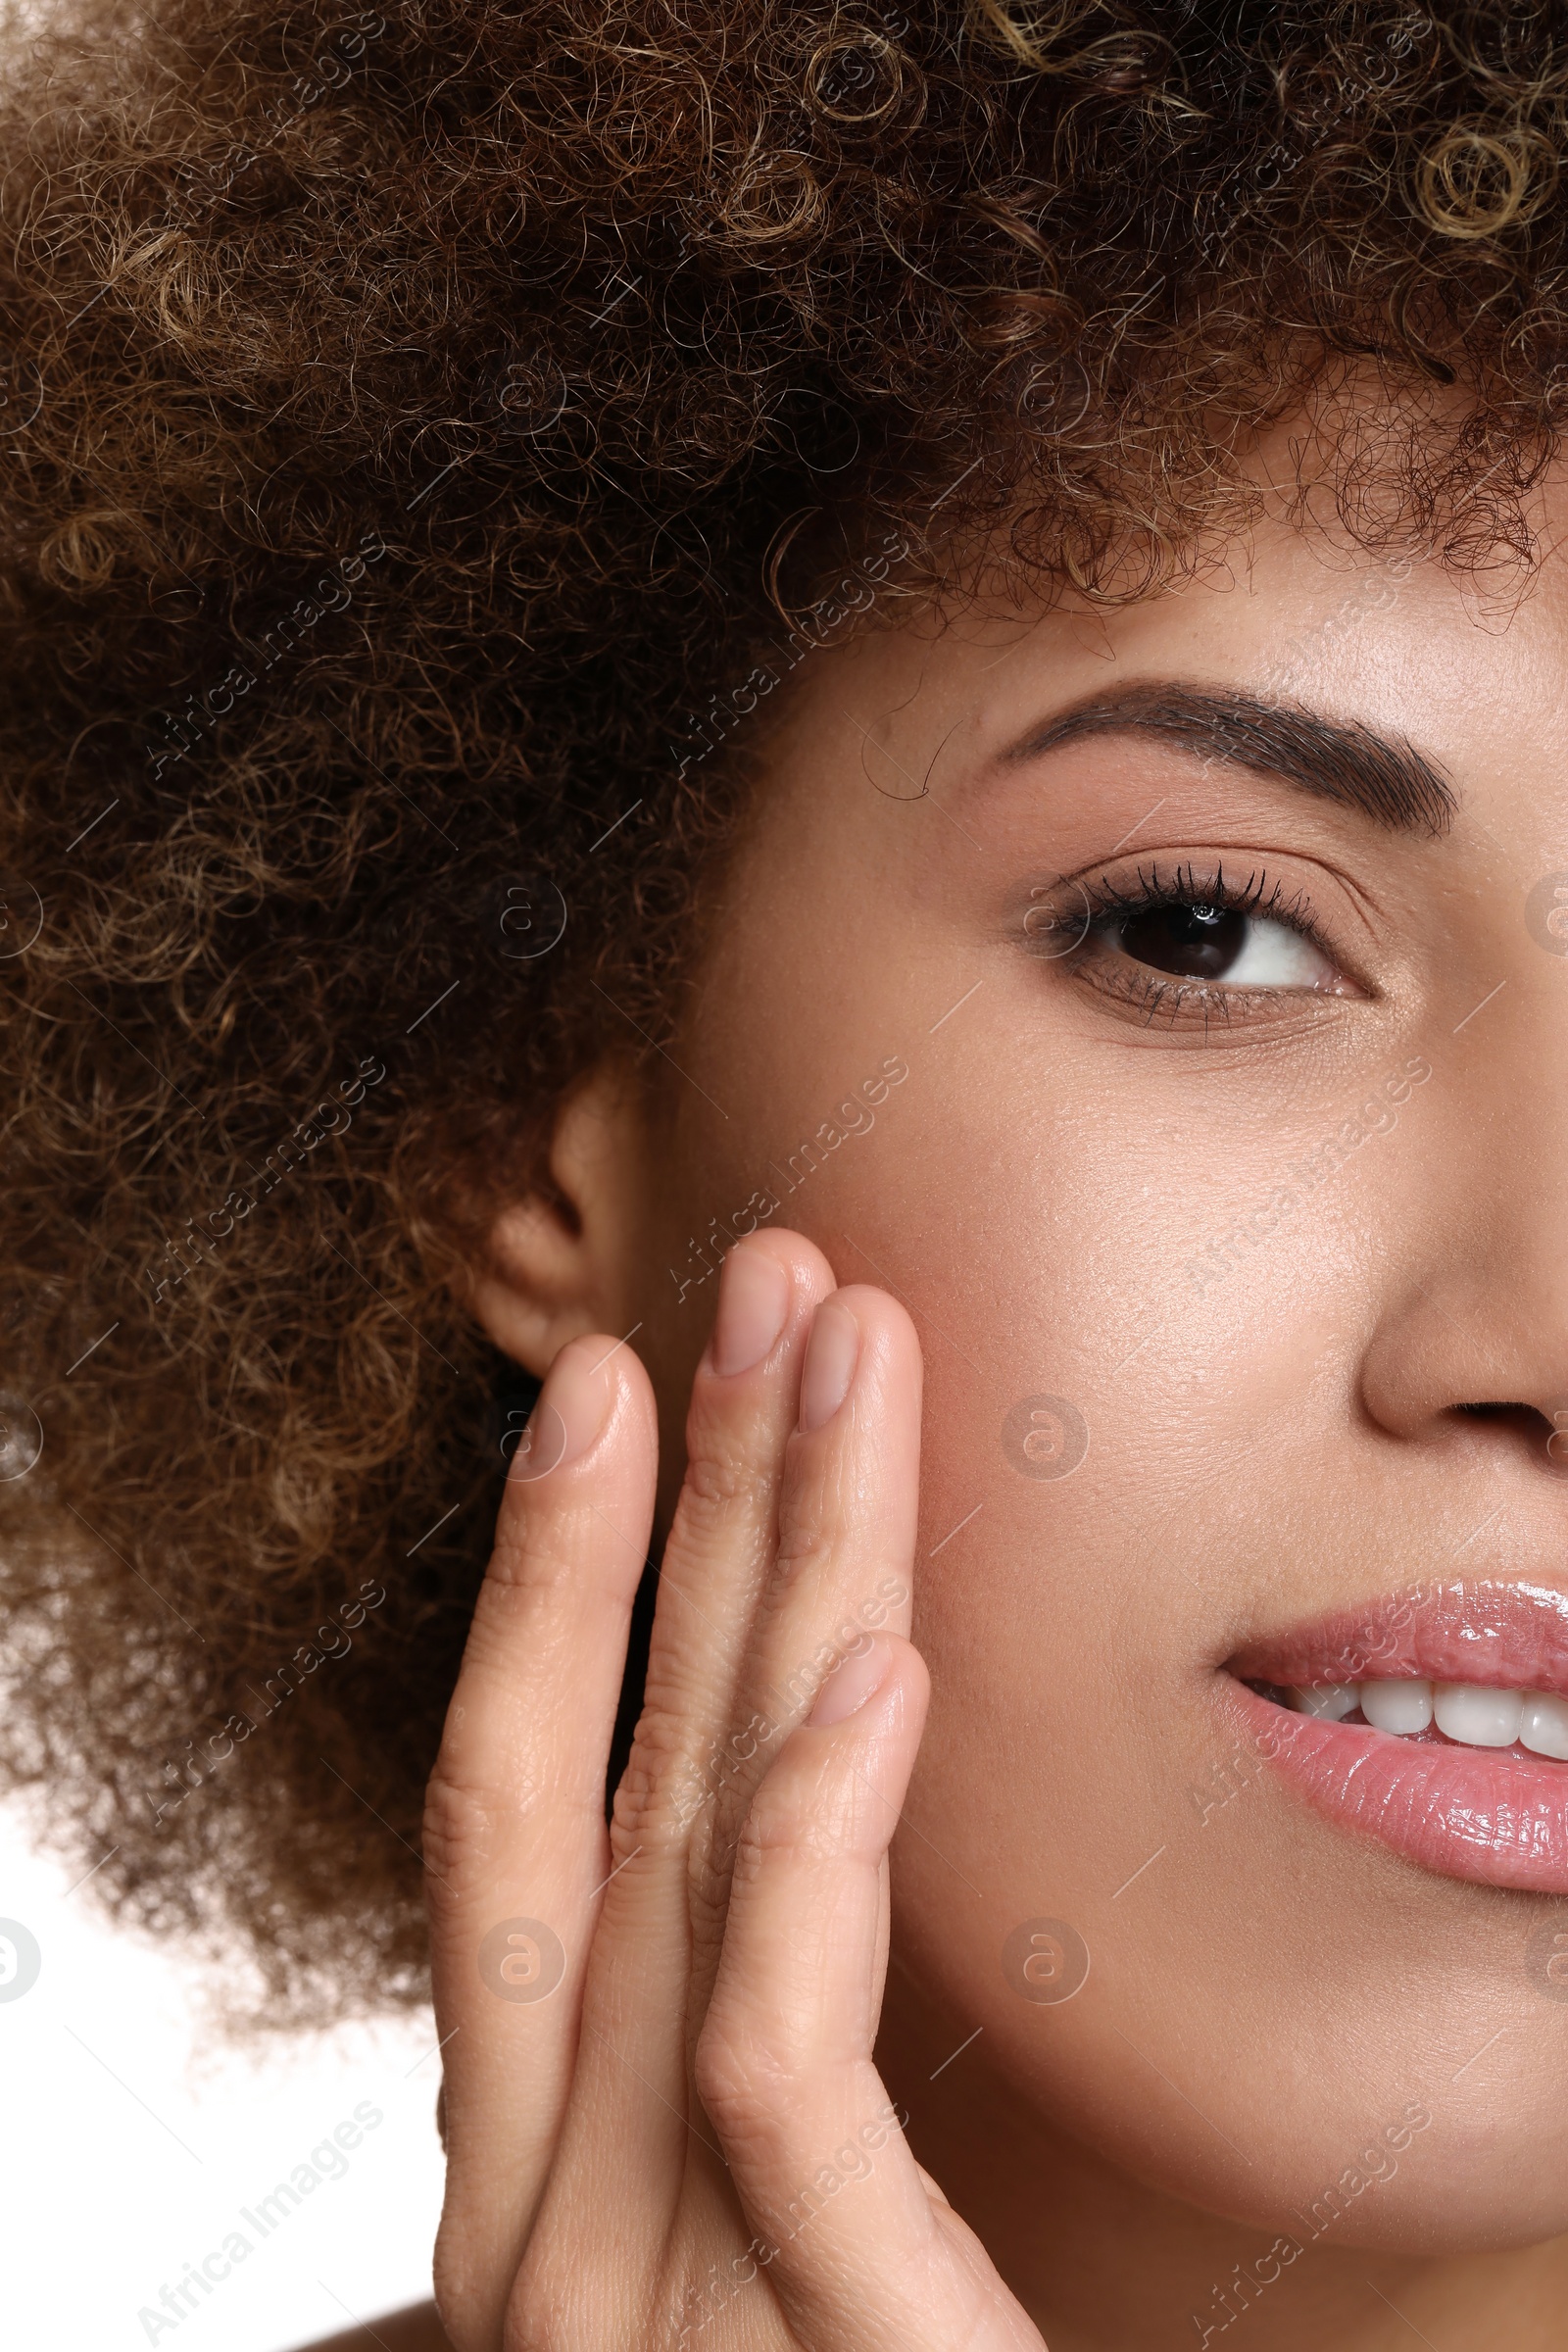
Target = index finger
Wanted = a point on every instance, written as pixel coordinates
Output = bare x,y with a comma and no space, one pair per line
517,1848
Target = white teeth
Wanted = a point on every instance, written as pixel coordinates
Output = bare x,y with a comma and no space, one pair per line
1544,1726
1403,1707
1333,1701
1468,1712
1479,1717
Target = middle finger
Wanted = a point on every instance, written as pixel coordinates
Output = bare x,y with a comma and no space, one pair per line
633,2069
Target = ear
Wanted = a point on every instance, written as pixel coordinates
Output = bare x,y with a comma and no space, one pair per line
561,1260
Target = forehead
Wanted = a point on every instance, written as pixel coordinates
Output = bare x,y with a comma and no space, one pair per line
1287,613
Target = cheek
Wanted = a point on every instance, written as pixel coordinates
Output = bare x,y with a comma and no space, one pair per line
1113,1473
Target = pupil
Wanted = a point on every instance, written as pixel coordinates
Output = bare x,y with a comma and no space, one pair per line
1193,943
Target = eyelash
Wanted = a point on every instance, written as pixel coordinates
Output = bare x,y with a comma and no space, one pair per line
1166,999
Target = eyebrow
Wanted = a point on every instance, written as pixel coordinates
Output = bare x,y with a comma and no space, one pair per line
1382,776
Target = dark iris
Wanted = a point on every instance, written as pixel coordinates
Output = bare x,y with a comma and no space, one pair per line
1194,943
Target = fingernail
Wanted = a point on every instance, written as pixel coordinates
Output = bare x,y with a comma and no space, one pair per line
754,1298
573,1408
853,1681
831,1353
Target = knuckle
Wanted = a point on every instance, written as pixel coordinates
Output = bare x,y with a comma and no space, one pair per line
662,1790
467,1825
807,1546
459,1836
722,1477
710,1860
797,1815
528,1559
776,1806
744,2082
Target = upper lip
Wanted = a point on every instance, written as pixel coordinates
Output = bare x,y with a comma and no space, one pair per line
1505,1637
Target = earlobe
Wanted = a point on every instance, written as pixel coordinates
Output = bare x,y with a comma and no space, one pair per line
559,1260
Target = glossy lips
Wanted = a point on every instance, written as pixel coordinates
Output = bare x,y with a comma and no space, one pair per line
1491,1813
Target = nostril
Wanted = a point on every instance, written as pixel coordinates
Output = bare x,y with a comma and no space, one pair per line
1544,1429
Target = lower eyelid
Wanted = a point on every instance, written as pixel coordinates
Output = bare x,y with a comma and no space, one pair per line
1153,997
1157,1000
1176,1001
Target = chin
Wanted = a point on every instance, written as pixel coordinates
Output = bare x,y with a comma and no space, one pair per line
1452,2191
1487,2207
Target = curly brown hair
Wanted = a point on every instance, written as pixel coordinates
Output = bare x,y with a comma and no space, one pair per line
423,430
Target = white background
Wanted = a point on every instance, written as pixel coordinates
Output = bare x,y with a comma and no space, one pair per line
110,2189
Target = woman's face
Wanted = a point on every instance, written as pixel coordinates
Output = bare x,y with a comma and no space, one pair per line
1215,1207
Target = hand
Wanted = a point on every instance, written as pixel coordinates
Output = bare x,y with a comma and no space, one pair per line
664,2129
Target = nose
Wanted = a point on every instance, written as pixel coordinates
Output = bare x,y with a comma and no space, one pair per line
1472,1349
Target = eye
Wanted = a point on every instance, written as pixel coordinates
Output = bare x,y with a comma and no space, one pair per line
1200,940
1217,940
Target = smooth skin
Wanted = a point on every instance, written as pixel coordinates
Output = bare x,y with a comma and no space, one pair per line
1269,1992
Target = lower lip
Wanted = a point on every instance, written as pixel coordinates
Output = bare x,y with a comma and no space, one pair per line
1465,1812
